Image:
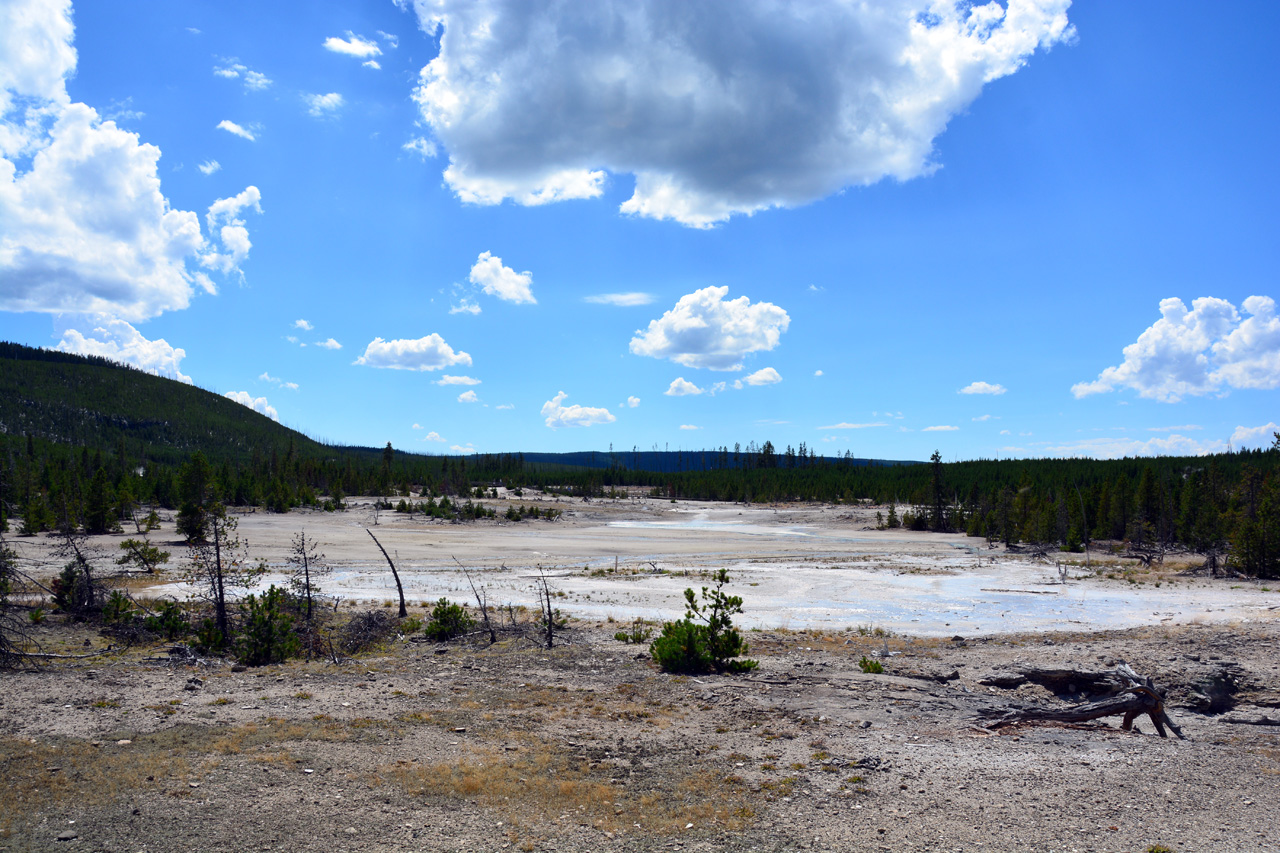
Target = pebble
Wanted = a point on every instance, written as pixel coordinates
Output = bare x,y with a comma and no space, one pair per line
68,835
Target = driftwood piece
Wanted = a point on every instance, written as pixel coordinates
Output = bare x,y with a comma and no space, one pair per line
1138,696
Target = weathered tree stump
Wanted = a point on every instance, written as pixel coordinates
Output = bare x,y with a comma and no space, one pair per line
1139,696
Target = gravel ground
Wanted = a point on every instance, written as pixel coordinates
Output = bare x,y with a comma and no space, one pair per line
587,747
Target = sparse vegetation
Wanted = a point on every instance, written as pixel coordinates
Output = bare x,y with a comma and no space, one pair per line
705,640
447,621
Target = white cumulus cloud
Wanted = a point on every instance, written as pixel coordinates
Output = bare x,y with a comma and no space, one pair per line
689,426
493,278
1206,350
84,226
233,69
468,397
983,388
330,343
433,436
457,380
423,147
1262,436
304,325
353,45
632,402
117,340
243,132
258,404
764,376
321,106
681,387
224,220
208,167
765,105
429,353
559,415
706,330
625,300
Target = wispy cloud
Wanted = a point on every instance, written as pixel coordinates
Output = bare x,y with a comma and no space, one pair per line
620,299
233,128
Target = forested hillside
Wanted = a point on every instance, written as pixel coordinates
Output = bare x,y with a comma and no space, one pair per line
84,443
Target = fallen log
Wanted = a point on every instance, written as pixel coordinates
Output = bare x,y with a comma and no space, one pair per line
1137,698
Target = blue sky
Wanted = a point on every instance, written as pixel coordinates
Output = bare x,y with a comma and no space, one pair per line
1031,229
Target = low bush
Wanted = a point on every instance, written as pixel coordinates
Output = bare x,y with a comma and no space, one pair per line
267,635
870,665
448,621
705,640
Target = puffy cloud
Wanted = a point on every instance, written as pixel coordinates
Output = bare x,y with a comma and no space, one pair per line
493,278
433,436
1119,447
233,69
457,380
329,344
423,147
208,167
817,373
224,220
464,307
1206,350
84,226
322,106
506,406
632,402
233,128
258,404
681,387
940,428
353,45
689,426
276,380
705,330
535,101
764,376
417,426
36,56
468,397
559,415
622,299
1263,436
982,388
303,325
429,353
462,448
847,425
1249,357
117,340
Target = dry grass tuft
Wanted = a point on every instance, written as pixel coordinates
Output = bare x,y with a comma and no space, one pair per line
541,786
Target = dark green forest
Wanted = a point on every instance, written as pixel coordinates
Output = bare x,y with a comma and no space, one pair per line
88,444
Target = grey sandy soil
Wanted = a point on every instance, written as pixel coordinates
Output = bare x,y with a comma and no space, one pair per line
587,747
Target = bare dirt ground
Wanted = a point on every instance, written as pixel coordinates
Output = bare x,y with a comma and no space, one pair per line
586,746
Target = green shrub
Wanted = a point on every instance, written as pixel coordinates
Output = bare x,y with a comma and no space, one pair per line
411,625
448,621
118,608
37,615
168,620
870,665
705,640
267,636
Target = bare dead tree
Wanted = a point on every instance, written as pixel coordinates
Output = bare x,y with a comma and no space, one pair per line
404,611
543,590
482,601
15,643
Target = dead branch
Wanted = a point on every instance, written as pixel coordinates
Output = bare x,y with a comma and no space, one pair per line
1138,696
404,611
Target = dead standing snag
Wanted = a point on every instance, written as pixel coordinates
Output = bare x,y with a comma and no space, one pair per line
404,611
